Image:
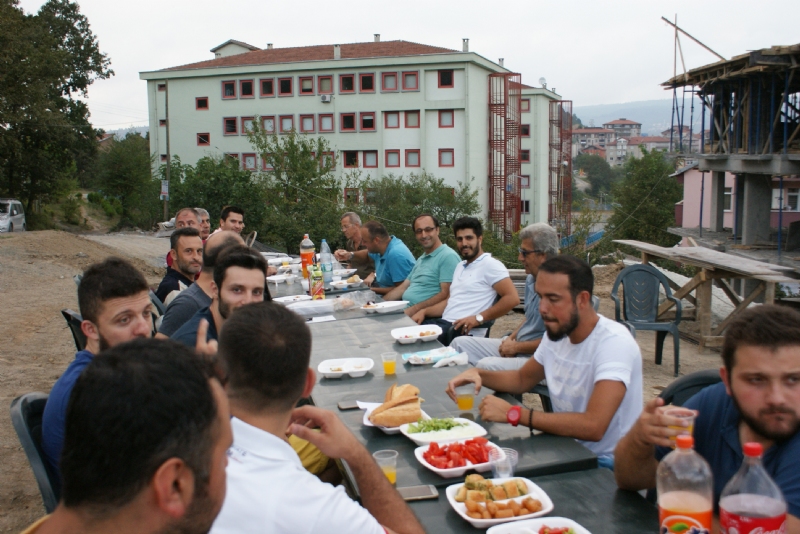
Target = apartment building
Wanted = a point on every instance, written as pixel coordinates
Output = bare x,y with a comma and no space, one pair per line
583,138
624,127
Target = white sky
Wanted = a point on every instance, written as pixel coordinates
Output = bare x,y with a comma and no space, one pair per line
591,52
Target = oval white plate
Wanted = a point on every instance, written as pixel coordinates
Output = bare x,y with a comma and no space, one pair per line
277,278
292,298
399,334
339,285
355,367
344,272
386,429
534,492
454,472
529,526
472,430
385,307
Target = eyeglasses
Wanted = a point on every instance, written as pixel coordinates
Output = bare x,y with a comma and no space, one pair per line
346,227
419,231
525,253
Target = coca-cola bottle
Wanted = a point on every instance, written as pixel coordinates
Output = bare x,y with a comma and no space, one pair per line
751,502
685,490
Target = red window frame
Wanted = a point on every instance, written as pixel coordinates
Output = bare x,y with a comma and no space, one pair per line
344,159
386,158
207,139
524,156
233,155
348,191
197,103
261,87
407,113
452,79
235,122
522,129
452,157
300,85
452,115
527,176
361,76
341,122
364,115
416,78
265,166
233,84
525,105
255,161
264,126
281,129
327,155
302,127
244,130
413,151
162,122
252,89
319,85
385,89
373,152
161,87
386,119
341,79
291,86
333,122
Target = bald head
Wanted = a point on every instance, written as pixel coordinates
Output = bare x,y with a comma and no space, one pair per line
216,243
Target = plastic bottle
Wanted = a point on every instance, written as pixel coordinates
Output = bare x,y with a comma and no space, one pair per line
306,255
326,260
685,490
751,501
317,284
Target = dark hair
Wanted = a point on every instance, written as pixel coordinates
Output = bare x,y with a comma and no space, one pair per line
266,349
240,256
193,210
418,217
112,278
465,223
211,253
182,232
227,210
580,274
135,406
376,229
769,326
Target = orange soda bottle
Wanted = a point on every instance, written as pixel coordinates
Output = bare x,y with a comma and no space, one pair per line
685,490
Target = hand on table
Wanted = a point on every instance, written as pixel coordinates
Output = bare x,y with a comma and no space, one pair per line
369,279
467,377
332,438
508,348
418,317
652,427
342,255
466,324
494,409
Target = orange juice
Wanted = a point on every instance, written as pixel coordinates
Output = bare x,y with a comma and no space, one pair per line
389,367
684,509
391,473
465,402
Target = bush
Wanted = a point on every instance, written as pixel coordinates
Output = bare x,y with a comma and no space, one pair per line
94,198
108,208
40,221
71,209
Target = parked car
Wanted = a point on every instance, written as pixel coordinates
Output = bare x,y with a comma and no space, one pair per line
12,215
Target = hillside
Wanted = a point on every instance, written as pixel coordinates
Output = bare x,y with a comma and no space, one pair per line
655,115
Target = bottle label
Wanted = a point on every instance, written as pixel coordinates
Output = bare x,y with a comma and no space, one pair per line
731,523
674,522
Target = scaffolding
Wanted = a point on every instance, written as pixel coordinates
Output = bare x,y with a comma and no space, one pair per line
505,90
560,167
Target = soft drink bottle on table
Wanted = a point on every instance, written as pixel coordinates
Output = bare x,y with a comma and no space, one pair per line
317,284
306,255
685,490
751,502
326,259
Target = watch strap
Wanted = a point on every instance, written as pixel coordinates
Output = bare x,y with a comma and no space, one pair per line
513,415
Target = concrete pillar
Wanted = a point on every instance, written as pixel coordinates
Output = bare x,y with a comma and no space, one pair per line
738,207
756,208
717,210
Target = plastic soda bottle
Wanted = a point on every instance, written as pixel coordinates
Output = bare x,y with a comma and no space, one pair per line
326,259
751,502
317,284
685,490
306,255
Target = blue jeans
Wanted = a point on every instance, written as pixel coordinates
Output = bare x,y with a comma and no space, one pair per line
604,461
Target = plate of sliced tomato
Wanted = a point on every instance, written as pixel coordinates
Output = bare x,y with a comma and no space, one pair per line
453,459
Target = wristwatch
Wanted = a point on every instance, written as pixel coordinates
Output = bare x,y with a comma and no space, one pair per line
479,318
513,414
352,254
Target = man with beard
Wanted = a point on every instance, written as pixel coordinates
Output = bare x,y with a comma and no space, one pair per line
147,434
114,301
592,365
757,401
186,251
185,218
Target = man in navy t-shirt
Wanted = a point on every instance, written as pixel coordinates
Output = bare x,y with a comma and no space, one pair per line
758,401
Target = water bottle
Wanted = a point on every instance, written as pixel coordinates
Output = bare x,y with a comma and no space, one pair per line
326,259
685,490
306,255
751,501
317,284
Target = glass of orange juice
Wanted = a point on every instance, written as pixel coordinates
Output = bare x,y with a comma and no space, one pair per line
465,396
686,415
387,461
389,360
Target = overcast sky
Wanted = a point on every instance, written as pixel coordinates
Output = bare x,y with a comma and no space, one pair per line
590,52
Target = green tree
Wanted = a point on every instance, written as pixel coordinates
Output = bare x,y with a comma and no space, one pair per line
598,172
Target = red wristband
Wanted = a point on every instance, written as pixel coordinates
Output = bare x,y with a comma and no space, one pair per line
513,414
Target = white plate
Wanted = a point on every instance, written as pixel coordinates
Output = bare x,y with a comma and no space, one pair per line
386,429
472,430
344,272
410,334
385,307
292,298
534,492
339,285
278,261
532,526
355,367
278,278
454,472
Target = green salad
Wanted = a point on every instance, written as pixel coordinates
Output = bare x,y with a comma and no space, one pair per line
433,425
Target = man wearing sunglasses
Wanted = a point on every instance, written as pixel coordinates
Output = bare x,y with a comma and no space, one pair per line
539,242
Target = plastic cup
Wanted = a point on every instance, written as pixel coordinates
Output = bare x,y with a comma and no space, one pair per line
295,267
290,279
503,462
465,396
685,414
335,278
389,360
387,461
304,283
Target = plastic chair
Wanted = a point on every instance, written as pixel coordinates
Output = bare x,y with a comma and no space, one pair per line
595,302
26,416
74,321
640,307
685,387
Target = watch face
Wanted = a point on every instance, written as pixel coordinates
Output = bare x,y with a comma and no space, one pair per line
513,415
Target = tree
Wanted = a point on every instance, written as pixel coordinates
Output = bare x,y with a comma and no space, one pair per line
598,172
576,122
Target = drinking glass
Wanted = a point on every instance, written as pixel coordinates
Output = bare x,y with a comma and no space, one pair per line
387,461
389,360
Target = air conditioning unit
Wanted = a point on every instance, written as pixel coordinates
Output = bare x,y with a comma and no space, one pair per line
326,98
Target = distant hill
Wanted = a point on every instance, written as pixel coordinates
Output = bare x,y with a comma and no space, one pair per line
655,115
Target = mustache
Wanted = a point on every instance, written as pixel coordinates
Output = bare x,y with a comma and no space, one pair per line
776,410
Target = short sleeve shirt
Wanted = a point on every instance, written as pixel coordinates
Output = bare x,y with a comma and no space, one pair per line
608,353
533,327
187,334
472,290
182,308
394,265
429,272
172,281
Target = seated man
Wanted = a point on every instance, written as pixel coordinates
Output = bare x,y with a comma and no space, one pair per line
757,401
429,280
145,447
351,228
266,349
198,296
231,219
592,364
186,251
185,218
115,305
481,290
393,261
539,242
205,223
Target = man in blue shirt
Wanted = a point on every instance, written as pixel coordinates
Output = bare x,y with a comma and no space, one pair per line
758,401
115,305
393,261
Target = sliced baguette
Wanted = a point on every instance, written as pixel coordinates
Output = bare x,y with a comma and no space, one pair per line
396,412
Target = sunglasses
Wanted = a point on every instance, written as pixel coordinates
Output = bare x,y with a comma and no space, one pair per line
526,252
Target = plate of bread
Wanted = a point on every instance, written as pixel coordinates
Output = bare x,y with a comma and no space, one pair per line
401,405
485,503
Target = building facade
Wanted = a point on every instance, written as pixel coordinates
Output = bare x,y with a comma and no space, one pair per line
624,127
583,138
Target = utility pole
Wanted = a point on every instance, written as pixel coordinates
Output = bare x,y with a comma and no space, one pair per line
169,156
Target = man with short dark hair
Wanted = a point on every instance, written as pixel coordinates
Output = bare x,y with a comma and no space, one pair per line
757,401
351,228
186,251
147,434
185,218
231,218
266,349
115,306
393,261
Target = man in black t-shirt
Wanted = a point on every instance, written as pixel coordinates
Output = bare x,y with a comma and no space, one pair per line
186,251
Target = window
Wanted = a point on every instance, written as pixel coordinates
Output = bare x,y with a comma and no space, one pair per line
307,123
446,118
391,119
412,119
229,89
370,159
266,163
203,139
366,83
326,123
347,83
268,124
446,157
412,158
525,156
232,158
348,122
327,159
350,159
726,203
249,161
287,123
370,195
525,206
367,122
351,195
201,102
410,81
445,79
525,104
163,157
325,85
389,81
267,86
246,89
525,182
285,87
525,130
162,122
247,125
306,85
392,158
230,126
162,87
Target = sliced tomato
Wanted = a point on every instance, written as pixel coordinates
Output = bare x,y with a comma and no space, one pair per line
479,440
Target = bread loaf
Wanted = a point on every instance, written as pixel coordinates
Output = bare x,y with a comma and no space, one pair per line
397,412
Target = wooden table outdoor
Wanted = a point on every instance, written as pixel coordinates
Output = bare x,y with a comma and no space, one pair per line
715,268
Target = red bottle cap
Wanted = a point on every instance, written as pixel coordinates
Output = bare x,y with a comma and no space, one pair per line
753,449
685,441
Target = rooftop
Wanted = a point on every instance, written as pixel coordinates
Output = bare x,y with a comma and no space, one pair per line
638,140
623,121
591,130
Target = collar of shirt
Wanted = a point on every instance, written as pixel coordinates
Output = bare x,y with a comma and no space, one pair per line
392,241
434,253
476,260
248,439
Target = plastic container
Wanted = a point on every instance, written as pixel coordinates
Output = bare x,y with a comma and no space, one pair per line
326,261
306,254
751,501
685,490
317,284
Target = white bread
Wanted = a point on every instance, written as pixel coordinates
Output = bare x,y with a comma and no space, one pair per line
397,412
405,391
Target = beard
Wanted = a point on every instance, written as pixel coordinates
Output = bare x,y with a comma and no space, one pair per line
224,308
104,344
761,428
465,254
565,330
188,267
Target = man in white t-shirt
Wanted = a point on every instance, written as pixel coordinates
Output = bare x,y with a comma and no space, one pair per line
266,349
592,365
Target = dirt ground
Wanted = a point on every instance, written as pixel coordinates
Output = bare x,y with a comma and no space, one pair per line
36,270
